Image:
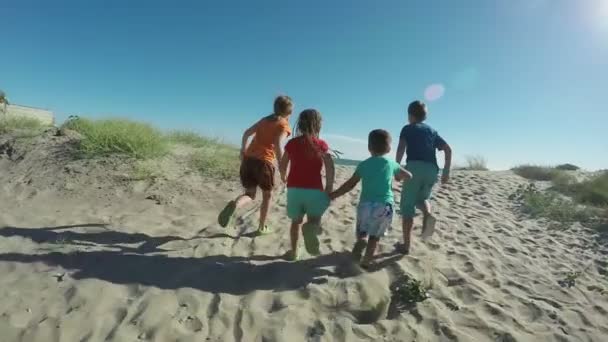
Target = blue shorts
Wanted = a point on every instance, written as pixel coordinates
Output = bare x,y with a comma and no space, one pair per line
418,189
374,218
310,202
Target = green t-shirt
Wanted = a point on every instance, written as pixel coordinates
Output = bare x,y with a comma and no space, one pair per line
377,175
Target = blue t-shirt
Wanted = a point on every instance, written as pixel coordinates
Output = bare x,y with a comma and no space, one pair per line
377,175
421,141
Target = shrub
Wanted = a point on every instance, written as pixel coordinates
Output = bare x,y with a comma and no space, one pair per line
556,208
533,172
190,138
567,167
118,136
593,191
476,162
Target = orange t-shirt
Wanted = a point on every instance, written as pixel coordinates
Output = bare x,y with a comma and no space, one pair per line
267,131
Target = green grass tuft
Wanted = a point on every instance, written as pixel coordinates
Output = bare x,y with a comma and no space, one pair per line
118,136
9,123
534,172
191,139
219,161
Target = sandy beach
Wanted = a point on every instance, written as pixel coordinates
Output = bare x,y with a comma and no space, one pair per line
89,254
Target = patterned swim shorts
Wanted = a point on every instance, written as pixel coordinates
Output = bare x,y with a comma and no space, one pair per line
374,218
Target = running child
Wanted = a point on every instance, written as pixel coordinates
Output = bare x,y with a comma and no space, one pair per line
257,161
375,210
306,155
420,141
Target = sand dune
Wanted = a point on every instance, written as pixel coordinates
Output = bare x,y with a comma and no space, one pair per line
145,261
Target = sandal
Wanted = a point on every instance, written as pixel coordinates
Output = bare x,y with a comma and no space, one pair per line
264,231
226,214
402,248
292,256
311,238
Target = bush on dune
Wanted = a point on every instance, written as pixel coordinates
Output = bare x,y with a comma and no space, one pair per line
534,172
593,191
118,136
567,167
476,163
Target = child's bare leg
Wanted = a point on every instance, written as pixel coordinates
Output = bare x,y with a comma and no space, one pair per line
296,225
245,198
372,243
408,222
360,246
266,197
425,207
226,214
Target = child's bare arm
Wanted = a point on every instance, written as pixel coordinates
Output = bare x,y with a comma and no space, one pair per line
277,146
330,172
246,135
346,187
403,175
447,152
283,166
401,150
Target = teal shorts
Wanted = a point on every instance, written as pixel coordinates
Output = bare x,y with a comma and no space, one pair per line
418,189
310,202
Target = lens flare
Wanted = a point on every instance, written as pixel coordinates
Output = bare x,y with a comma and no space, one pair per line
434,92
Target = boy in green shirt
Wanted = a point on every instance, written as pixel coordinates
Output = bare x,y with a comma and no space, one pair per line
375,210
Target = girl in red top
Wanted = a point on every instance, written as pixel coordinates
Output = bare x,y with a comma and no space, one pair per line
306,195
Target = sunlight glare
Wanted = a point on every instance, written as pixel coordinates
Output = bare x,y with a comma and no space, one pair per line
434,92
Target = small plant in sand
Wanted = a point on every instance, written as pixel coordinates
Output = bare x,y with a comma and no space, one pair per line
117,136
570,279
406,292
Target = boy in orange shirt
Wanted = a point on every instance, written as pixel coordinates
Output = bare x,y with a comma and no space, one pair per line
257,160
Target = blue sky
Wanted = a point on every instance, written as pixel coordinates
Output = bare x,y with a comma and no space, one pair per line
523,80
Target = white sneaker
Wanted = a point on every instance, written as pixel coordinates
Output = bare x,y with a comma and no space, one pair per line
428,227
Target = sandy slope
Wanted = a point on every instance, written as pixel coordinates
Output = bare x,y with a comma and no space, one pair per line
108,264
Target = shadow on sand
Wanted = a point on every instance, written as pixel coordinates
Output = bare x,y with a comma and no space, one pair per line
216,273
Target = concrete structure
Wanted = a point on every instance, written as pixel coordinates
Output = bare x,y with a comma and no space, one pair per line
45,116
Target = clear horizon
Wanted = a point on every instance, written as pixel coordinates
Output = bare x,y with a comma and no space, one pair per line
516,82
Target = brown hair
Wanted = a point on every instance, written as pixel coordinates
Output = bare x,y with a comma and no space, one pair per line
417,109
309,126
281,105
379,141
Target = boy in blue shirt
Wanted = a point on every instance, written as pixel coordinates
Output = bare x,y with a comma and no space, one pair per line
420,141
375,210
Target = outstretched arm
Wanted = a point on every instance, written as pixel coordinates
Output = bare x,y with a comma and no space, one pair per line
283,167
403,175
401,150
346,187
246,135
278,152
447,152
330,172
